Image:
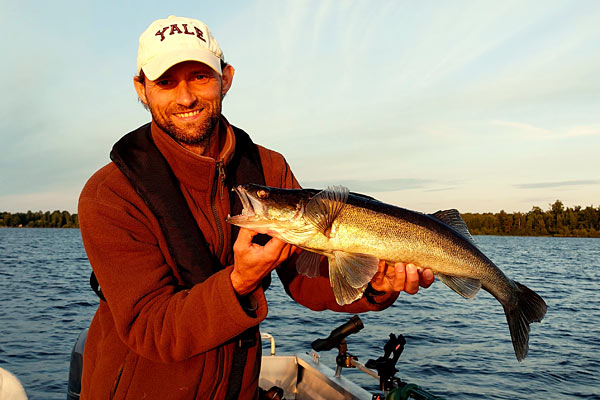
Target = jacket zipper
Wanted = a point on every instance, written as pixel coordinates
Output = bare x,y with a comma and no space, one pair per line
117,380
222,176
219,184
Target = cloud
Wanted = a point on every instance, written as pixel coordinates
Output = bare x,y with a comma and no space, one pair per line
583,130
534,132
523,128
545,185
376,185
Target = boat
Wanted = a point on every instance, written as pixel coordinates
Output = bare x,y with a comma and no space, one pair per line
302,376
10,386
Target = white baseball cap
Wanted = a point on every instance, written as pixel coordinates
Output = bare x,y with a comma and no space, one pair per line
170,41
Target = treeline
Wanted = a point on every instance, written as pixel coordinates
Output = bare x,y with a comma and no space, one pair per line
39,219
556,221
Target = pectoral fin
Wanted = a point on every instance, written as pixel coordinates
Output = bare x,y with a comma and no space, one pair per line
324,207
308,264
466,287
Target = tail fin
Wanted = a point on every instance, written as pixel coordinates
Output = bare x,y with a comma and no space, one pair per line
528,308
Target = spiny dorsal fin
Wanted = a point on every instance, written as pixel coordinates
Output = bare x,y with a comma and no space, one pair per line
343,292
325,206
308,264
466,287
452,218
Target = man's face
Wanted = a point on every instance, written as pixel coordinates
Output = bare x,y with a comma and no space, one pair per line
185,101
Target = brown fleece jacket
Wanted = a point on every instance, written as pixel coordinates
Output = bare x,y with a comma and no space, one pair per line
150,339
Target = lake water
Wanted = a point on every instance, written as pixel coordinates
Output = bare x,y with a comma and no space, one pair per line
455,347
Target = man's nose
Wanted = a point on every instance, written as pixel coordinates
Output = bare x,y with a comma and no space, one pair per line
184,96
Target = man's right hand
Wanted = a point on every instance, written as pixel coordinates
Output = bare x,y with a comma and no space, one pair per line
252,262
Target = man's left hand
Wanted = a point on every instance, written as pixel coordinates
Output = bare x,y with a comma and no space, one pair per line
401,277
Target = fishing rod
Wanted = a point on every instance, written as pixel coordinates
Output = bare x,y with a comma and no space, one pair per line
383,368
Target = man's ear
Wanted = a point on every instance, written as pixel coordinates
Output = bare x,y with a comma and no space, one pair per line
226,79
140,88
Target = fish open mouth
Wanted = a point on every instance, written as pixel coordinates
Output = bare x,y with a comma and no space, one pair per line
265,212
252,207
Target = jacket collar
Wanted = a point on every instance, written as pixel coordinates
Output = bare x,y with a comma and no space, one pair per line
191,169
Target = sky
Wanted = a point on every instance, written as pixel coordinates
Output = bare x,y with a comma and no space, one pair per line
476,105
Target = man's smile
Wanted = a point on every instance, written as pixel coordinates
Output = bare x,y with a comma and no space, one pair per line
188,114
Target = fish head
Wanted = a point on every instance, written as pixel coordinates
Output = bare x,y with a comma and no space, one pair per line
269,210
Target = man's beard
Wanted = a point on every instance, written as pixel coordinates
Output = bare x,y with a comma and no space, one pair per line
200,135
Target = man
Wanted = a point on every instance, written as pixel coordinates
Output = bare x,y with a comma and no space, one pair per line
181,301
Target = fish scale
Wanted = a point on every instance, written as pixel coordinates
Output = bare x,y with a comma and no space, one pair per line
392,239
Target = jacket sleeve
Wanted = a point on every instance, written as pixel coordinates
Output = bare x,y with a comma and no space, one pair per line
314,293
152,314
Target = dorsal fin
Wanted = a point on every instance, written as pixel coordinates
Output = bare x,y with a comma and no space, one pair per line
324,207
453,219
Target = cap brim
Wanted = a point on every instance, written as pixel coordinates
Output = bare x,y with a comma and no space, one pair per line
158,65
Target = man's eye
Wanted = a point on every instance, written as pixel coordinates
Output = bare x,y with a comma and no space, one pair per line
163,82
200,77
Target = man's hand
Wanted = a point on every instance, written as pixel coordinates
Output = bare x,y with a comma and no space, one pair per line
252,262
401,277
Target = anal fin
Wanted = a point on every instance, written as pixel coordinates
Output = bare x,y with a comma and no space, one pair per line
466,287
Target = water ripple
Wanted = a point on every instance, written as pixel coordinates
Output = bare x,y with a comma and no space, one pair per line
457,348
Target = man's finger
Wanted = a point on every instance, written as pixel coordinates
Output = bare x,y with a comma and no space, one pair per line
426,278
274,246
377,279
412,279
285,253
277,251
400,277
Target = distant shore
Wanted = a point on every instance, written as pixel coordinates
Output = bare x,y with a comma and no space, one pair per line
39,219
556,221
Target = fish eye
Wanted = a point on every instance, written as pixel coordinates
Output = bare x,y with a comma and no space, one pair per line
262,194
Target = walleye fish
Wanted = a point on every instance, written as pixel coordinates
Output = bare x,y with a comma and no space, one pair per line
355,231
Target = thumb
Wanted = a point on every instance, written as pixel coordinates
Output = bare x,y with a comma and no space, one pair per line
245,236
380,274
